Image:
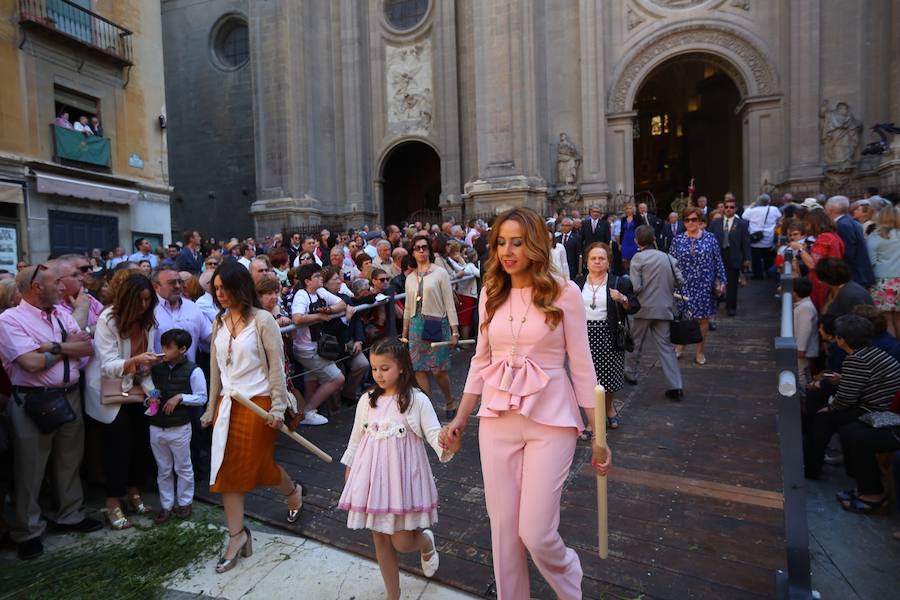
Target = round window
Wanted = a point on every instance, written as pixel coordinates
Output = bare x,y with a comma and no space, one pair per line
231,43
405,14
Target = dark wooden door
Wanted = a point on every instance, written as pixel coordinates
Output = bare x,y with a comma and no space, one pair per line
80,233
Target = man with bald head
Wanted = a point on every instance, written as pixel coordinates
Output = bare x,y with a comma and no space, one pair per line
73,270
856,255
42,349
259,270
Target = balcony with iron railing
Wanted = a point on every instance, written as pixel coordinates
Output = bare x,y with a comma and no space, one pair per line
72,24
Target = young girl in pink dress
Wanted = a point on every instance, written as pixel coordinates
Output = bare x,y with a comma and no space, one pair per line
389,485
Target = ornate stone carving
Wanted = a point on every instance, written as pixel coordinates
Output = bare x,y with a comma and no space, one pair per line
840,136
679,3
408,85
701,37
567,161
633,19
741,4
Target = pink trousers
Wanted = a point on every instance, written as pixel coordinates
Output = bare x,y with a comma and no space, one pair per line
525,465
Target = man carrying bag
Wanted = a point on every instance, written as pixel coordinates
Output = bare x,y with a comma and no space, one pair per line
654,277
42,349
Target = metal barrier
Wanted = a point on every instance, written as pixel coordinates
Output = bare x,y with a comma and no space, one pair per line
795,584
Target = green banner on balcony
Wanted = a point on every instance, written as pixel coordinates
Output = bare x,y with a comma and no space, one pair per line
74,145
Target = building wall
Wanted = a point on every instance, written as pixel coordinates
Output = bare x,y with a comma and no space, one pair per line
130,101
210,123
507,77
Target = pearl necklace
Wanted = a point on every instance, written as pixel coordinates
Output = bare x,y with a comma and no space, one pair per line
515,334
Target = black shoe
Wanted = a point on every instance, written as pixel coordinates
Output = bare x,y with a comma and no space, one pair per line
731,313
675,395
86,525
30,549
630,379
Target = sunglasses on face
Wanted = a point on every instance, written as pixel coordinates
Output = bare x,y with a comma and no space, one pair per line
731,206
37,270
691,219
212,263
420,248
382,279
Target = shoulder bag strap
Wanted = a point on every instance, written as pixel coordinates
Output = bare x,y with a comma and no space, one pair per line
65,335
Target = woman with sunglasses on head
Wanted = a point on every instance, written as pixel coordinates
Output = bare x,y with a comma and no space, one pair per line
247,355
532,324
429,315
700,261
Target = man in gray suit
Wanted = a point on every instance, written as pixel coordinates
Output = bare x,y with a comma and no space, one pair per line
654,276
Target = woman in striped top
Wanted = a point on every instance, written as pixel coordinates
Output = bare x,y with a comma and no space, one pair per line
868,381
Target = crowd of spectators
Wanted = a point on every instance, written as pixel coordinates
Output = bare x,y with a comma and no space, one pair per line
335,294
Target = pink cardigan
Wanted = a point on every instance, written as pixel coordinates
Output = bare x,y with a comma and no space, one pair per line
538,385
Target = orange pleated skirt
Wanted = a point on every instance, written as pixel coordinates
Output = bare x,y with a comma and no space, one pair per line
249,459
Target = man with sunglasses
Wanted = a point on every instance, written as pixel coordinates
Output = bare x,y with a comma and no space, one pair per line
73,270
733,235
42,349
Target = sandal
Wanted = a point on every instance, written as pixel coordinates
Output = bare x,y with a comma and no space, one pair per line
613,422
294,513
865,507
586,435
846,495
116,518
137,505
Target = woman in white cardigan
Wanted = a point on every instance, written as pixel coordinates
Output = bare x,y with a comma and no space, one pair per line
121,341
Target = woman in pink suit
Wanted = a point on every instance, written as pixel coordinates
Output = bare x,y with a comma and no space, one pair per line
531,322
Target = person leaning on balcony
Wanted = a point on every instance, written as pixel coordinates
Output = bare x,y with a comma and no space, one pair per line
96,127
83,126
62,120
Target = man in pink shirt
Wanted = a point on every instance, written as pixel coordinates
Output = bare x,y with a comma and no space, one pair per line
74,298
42,348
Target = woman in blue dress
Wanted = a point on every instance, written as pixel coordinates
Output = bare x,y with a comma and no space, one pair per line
700,261
629,246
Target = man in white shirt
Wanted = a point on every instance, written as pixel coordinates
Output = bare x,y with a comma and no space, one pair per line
371,240
83,126
144,252
177,312
118,257
248,253
308,247
383,258
313,305
761,220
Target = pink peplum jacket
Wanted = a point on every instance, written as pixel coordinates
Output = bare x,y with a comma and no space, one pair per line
537,384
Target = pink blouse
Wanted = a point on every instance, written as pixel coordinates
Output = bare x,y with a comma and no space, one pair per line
534,381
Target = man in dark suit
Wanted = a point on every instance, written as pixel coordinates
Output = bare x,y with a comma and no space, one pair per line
733,235
668,231
571,241
594,229
851,232
644,217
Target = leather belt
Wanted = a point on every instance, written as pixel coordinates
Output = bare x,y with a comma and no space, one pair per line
25,389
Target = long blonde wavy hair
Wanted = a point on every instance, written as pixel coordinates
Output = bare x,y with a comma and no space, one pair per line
497,283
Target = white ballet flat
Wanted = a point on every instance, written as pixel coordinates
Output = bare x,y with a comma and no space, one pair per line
430,565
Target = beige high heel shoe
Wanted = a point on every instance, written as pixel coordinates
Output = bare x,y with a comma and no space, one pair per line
246,550
116,518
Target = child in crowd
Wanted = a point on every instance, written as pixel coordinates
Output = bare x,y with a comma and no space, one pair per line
389,485
180,384
806,329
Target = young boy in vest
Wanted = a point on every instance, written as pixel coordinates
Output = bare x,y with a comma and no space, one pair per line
180,384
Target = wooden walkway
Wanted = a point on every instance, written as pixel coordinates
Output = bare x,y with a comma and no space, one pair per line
694,499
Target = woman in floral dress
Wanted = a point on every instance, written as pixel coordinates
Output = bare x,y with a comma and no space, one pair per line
700,261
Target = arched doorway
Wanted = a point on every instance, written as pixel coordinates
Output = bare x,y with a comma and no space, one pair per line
411,181
686,127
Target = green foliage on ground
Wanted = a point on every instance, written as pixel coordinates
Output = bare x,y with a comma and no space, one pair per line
135,566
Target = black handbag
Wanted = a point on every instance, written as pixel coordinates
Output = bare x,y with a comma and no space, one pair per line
622,338
757,236
49,408
327,344
432,329
683,331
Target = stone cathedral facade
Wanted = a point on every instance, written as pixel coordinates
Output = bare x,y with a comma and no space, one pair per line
361,111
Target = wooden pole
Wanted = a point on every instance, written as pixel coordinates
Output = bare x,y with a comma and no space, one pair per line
600,441
263,414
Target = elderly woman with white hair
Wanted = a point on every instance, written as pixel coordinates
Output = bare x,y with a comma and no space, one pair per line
762,220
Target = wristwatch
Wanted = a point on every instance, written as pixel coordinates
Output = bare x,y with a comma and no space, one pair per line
56,348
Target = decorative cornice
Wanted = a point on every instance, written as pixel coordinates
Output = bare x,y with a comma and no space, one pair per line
700,38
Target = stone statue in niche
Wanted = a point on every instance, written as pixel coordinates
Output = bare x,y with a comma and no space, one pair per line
840,136
567,161
408,86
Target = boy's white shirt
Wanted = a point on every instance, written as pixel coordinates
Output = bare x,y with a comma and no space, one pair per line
420,417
